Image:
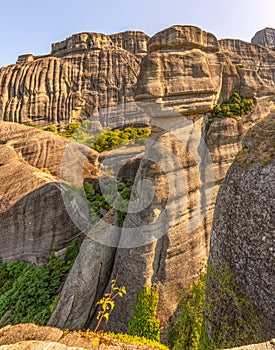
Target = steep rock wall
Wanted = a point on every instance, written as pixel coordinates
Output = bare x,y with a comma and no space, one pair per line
265,37
242,238
185,73
84,73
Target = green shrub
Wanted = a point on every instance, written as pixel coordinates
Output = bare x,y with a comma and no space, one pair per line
188,330
144,322
100,203
28,292
238,324
234,107
109,139
51,128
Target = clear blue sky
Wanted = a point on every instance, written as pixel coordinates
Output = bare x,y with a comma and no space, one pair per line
30,26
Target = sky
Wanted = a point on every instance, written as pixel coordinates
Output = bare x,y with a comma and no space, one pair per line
30,26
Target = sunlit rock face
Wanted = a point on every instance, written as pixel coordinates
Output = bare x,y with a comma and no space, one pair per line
265,37
166,242
83,74
33,215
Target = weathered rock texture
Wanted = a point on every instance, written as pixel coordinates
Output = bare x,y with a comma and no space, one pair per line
33,216
265,37
242,237
30,336
188,71
84,73
270,345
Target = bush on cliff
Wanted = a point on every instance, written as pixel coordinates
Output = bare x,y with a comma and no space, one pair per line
29,293
144,322
236,106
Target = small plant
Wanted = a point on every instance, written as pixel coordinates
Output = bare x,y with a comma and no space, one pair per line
144,322
107,303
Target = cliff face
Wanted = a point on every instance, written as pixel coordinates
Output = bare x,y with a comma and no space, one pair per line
33,216
242,238
265,37
84,73
184,74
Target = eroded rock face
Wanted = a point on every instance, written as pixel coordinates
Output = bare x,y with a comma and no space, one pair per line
242,238
84,73
168,78
33,216
265,37
188,71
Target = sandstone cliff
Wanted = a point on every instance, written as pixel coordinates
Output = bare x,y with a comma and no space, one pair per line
33,215
265,37
166,243
84,73
242,239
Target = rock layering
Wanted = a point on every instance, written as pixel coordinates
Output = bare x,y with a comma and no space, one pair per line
188,71
265,37
242,237
84,73
33,216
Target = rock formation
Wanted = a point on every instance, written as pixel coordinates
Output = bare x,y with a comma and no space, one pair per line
242,238
33,216
166,243
83,74
30,336
265,37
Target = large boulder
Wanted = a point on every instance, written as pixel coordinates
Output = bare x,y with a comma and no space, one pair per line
33,215
242,243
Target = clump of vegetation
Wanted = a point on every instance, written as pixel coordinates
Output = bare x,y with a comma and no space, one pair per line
117,196
107,303
236,106
137,340
188,330
105,140
29,293
109,139
239,322
144,322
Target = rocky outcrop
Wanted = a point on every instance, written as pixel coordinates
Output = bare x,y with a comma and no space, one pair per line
83,74
265,37
133,41
270,345
33,215
30,336
166,242
242,238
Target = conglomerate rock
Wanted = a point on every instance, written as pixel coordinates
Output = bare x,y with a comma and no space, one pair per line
242,237
165,243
